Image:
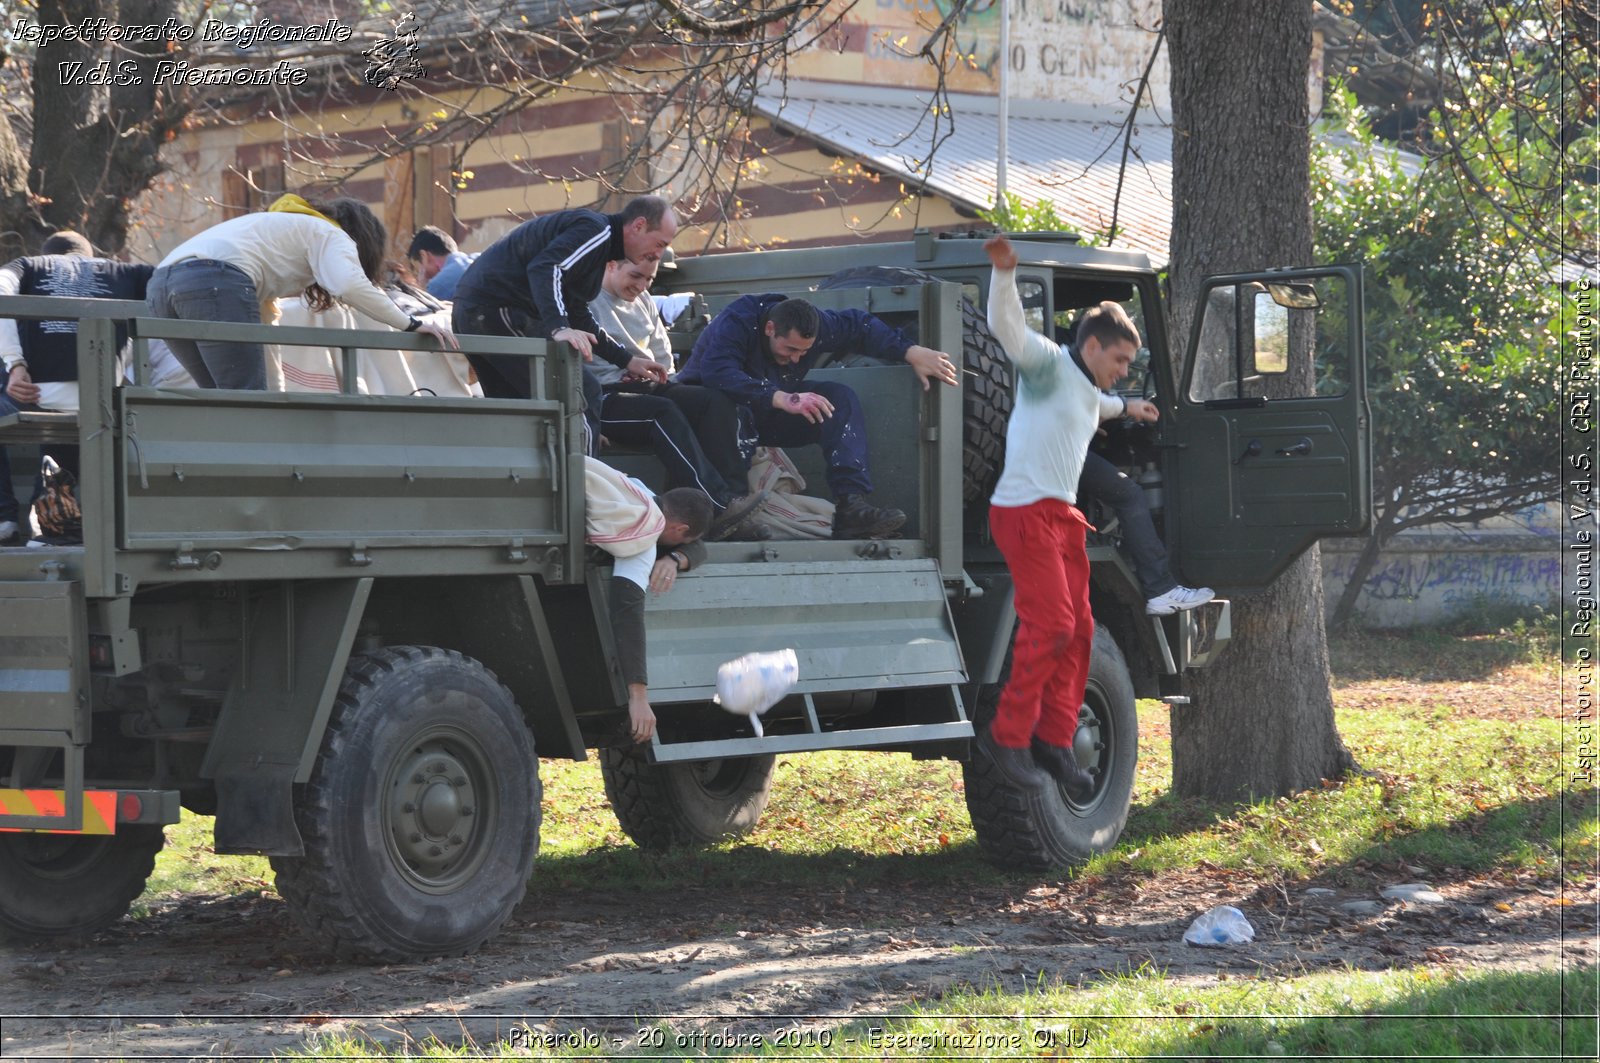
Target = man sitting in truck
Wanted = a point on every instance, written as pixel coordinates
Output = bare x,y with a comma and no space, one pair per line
682,423
652,539
759,350
41,357
1164,595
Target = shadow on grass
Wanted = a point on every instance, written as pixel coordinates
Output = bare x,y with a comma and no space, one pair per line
1510,833
1498,1015
756,868
1170,815
1516,833
1429,655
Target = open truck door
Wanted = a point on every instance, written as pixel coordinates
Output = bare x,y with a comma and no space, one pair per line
1271,440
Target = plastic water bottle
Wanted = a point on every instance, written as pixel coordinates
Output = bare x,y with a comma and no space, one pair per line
1222,925
752,684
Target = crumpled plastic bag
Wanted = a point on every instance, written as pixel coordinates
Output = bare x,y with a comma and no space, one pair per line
752,684
1222,925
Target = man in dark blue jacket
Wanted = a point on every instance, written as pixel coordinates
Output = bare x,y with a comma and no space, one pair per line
537,280
759,350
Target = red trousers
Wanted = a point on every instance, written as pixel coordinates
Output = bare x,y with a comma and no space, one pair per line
1043,544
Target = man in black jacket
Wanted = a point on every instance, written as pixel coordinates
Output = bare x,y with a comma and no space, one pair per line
538,279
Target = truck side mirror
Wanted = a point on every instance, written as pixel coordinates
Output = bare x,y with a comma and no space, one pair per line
1272,332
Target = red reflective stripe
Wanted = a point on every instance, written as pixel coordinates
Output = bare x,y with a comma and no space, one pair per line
99,809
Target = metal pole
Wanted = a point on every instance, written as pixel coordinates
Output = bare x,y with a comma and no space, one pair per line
1005,105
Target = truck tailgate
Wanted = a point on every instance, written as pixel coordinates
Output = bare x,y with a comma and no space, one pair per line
855,625
44,685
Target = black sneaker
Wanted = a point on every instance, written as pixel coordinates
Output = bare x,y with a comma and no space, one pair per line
734,513
1015,764
1062,765
853,518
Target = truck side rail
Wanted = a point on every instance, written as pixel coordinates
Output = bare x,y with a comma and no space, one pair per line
354,478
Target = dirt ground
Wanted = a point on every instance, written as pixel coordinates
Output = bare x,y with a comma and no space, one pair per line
233,976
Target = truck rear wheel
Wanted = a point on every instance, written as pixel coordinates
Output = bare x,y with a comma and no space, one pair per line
986,383
64,885
421,817
1045,829
661,806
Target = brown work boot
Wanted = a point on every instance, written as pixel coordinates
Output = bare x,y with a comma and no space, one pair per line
734,513
854,518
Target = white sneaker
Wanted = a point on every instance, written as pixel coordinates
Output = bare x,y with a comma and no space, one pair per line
1179,597
8,530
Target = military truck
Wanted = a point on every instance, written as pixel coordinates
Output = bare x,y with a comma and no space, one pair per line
347,626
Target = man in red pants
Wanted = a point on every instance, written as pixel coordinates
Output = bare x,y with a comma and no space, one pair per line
1060,402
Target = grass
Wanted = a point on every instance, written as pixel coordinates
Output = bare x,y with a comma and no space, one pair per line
188,867
1456,783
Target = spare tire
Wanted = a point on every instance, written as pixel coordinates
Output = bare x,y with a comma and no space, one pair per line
986,385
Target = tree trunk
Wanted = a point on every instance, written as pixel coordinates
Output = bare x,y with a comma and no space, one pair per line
1346,605
96,147
1261,722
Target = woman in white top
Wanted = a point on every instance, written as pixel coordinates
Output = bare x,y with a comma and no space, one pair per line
325,251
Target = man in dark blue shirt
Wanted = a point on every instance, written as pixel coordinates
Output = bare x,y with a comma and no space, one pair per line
439,263
759,350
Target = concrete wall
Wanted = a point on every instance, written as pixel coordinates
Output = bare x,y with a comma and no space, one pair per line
1429,576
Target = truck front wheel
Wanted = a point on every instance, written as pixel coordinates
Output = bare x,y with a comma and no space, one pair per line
1043,828
421,817
61,885
664,805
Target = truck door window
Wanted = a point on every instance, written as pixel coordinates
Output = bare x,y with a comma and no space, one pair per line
1252,334
1034,303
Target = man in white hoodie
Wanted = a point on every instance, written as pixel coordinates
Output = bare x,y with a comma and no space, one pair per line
1060,402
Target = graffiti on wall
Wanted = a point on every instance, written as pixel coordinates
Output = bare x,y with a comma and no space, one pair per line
1452,581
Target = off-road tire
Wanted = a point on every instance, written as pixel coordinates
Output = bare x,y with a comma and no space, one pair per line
70,885
1042,829
664,806
986,389
421,817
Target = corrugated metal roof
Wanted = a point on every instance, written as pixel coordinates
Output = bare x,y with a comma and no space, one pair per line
1070,156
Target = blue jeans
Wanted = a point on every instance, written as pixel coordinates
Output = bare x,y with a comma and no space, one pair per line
9,511
203,289
66,455
1101,479
842,437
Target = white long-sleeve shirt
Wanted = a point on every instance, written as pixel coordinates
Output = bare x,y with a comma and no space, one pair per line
1058,407
284,253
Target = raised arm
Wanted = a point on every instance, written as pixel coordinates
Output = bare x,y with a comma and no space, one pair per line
1027,348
